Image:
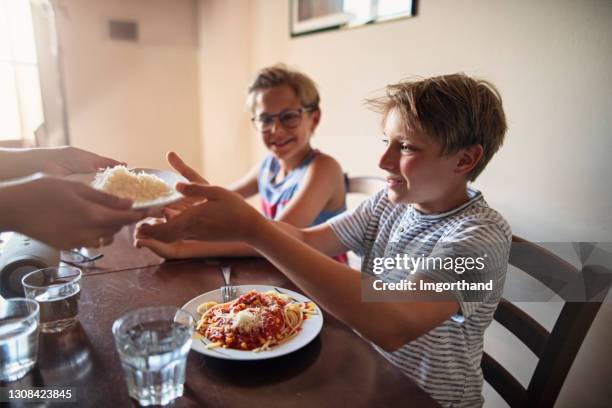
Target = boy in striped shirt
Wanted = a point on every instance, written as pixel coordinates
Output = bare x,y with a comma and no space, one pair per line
440,134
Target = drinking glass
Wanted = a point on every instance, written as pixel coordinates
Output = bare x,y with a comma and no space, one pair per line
18,337
153,343
57,290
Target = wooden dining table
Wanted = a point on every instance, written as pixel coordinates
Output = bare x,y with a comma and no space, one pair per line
337,368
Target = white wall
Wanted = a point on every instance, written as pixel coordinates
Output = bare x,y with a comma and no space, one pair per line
224,55
551,61
132,101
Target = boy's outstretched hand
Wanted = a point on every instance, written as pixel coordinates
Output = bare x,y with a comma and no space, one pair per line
168,250
218,215
179,165
190,174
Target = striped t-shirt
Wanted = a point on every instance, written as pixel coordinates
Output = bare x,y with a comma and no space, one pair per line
445,361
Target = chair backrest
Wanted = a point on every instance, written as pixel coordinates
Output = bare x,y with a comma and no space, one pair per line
557,349
356,188
364,185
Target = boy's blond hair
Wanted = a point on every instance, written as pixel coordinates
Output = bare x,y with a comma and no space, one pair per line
456,110
304,88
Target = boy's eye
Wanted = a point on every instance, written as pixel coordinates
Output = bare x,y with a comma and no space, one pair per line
290,119
265,120
405,147
291,115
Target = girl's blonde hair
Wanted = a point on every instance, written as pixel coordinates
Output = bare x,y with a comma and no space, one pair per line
304,88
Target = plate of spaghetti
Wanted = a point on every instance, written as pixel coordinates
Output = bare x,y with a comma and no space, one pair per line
262,322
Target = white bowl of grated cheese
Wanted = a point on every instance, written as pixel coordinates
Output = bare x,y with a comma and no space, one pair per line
147,188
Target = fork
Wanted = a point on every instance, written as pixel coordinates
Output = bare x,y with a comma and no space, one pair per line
228,292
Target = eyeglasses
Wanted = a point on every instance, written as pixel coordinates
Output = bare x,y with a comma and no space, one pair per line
77,258
289,119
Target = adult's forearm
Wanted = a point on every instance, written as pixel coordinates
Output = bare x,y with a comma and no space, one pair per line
4,216
11,202
17,163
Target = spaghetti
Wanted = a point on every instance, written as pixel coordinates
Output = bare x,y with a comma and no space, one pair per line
255,321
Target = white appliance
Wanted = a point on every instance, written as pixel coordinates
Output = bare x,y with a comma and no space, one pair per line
20,255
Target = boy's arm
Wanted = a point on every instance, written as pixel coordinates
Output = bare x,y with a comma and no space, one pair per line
182,249
304,208
247,185
335,287
323,178
320,237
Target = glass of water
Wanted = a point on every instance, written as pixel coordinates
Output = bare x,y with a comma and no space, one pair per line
152,343
18,337
57,290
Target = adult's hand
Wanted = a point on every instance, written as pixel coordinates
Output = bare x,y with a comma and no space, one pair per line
59,161
62,213
66,160
220,215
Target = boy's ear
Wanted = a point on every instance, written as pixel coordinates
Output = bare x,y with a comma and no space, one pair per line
316,118
469,158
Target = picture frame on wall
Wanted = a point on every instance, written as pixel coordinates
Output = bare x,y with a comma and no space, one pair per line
311,16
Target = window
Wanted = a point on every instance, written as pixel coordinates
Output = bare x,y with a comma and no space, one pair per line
308,16
21,110
365,11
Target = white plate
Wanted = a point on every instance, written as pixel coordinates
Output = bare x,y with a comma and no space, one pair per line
169,177
310,328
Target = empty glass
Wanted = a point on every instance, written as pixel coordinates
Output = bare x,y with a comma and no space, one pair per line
57,290
153,343
18,337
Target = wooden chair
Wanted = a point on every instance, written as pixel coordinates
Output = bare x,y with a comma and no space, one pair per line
557,349
363,186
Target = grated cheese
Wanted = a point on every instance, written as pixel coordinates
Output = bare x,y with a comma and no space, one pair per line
123,182
247,320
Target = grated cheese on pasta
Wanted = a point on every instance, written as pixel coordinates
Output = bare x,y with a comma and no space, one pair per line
248,320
